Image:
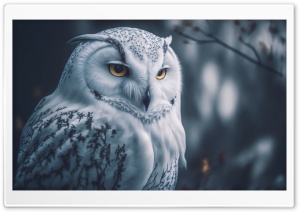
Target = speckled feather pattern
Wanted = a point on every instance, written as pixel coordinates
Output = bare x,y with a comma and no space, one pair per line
140,42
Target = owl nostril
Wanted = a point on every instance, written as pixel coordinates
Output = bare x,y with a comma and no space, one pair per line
147,98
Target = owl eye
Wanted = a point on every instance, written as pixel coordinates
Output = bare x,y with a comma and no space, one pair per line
117,70
161,74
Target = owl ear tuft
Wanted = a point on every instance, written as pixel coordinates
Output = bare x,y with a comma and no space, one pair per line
168,40
87,37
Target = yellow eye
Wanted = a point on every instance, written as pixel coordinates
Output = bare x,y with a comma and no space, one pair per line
161,74
117,70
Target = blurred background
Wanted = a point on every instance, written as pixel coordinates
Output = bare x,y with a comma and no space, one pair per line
233,98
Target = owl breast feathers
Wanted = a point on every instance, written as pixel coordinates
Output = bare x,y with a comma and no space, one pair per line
114,120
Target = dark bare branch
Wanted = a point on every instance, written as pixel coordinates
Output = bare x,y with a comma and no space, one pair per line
214,39
194,39
252,48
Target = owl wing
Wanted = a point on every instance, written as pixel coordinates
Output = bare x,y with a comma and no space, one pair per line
64,148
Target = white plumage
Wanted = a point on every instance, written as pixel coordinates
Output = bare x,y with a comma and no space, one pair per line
114,120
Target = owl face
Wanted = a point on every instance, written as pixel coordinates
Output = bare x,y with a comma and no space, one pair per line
126,64
130,64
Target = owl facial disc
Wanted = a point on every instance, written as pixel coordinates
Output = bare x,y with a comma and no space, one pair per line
126,66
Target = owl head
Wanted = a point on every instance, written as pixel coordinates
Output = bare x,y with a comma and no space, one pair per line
123,64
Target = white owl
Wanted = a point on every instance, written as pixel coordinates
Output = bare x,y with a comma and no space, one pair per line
114,120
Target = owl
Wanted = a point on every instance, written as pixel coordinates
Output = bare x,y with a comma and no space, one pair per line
113,122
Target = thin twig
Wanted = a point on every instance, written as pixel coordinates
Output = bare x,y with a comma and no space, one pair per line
220,42
194,39
253,49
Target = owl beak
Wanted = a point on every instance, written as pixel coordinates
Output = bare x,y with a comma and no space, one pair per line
147,98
